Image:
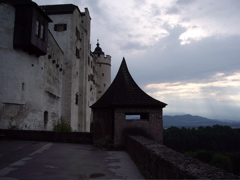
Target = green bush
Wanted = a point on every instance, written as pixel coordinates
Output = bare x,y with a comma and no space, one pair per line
222,161
62,127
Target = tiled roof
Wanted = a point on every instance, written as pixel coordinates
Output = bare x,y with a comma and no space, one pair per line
59,9
124,92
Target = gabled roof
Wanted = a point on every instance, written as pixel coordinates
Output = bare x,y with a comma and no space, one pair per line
60,9
124,92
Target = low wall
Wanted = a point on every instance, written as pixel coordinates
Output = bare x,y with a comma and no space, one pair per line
159,162
67,137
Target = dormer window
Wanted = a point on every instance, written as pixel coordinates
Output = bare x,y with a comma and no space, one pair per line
39,29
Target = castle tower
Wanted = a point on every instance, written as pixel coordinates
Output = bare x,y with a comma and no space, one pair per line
103,68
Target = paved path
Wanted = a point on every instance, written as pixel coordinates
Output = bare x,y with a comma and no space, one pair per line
44,160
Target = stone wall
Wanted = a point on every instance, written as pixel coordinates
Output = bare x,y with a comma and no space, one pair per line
66,137
159,162
150,127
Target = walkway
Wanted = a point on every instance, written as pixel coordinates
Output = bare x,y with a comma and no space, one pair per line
45,160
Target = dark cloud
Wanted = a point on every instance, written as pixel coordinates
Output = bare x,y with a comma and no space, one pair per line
192,62
129,46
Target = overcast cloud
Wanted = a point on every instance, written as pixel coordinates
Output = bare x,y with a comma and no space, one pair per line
185,53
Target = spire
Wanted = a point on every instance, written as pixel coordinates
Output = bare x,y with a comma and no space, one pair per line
98,43
98,49
125,92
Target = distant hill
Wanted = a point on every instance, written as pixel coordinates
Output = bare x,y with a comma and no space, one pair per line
194,121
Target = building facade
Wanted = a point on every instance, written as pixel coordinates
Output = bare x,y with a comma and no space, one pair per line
48,74
126,109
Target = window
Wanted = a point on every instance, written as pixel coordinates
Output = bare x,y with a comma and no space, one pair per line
77,34
60,27
37,27
77,53
42,29
102,74
76,98
136,116
23,86
45,118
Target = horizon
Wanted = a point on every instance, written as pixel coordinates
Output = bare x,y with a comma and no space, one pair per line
183,53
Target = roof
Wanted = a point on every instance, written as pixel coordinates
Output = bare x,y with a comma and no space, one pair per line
19,3
60,9
124,92
98,49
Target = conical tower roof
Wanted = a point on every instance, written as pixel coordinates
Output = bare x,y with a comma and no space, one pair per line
124,92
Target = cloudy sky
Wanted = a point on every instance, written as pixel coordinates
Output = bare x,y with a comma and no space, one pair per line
185,53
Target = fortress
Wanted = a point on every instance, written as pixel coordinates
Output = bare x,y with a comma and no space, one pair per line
48,73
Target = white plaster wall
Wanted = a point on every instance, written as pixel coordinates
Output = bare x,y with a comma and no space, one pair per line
20,79
104,74
25,81
84,86
66,40
62,38
52,78
21,87
76,19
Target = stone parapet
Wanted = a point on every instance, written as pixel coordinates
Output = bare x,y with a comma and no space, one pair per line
51,136
159,162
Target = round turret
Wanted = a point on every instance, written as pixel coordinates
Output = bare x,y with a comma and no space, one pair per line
103,69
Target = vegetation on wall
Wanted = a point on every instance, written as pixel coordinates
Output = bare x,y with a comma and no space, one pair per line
62,127
216,145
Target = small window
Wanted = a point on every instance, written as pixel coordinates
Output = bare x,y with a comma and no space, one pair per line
45,118
76,98
102,74
136,116
23,86
37,28
77,34
77,53
60,27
